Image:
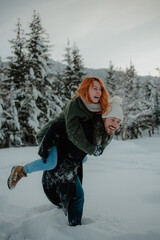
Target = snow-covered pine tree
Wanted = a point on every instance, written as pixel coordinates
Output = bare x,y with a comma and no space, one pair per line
30,113
9,124
13,88
17,70
73,72
136,109
1,106
157,102
114,80
119,76
1,119
68,73
55,88
130,103
39,71
110,81
78,68
157,110
18,65
59,84
149,93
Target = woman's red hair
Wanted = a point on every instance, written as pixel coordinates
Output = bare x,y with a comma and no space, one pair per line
83,92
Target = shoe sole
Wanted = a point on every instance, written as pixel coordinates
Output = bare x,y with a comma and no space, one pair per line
9,179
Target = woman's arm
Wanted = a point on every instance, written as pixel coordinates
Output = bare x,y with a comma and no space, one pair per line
73,117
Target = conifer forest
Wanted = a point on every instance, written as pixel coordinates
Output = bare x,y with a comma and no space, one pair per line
34,88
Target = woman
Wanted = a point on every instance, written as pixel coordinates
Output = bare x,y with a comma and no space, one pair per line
71,135
92,98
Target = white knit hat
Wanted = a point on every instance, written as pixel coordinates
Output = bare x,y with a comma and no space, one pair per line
116,110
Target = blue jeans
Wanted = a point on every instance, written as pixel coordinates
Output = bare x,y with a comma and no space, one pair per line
39,165
75,208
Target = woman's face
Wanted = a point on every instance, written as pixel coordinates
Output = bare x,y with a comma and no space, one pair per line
95,92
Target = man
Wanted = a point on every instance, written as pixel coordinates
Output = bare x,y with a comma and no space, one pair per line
113,119
58,192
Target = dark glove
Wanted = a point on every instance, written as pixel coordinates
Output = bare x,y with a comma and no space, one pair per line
98,151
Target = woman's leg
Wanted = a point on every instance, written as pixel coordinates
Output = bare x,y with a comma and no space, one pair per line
75,208
18,172
39,165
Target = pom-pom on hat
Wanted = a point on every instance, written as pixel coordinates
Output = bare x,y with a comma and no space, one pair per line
116,110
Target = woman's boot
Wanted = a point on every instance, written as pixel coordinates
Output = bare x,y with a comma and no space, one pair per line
16,174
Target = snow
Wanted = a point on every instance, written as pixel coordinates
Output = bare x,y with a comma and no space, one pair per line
122,196
32,73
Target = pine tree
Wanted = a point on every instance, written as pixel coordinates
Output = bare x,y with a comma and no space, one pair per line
129,105
157,110
17,71
135,109
59,84
114,81
78,68
39,72
10,123
1,105
73,72
148,106
157,102
13,88
151,109
110,80
30,113
17,64
68,73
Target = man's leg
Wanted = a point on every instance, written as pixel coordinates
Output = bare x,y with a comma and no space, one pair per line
75,208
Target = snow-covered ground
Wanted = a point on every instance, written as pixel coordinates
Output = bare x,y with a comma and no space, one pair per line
122,196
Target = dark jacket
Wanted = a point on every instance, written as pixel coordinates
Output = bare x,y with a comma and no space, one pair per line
75,133
59,183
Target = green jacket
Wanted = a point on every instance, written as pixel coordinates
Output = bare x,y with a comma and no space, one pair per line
74,113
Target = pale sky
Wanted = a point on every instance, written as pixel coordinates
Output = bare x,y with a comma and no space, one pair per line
104,30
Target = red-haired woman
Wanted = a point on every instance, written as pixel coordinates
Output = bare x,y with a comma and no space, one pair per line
65,141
